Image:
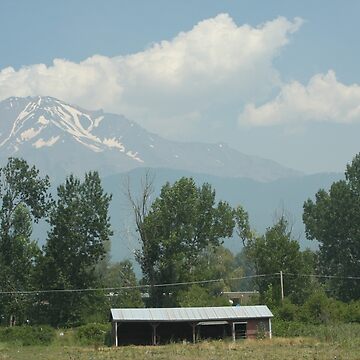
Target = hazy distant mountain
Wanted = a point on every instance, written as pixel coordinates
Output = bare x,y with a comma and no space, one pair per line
263,201
61,138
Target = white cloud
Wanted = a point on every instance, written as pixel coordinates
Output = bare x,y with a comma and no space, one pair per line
215,63
324,99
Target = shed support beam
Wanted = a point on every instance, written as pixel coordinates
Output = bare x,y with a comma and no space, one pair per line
270,330
233,331
116,333
193,325
154,326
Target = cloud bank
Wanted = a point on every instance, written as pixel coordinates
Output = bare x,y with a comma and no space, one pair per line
181,86
323,99
173,84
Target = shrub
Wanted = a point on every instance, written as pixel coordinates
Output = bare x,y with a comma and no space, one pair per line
287,311
353,313
316,308
93,334
330,332
27,335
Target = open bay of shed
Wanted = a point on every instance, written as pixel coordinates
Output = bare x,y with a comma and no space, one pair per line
163,325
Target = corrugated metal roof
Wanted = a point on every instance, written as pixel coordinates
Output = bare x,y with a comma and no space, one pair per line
191,313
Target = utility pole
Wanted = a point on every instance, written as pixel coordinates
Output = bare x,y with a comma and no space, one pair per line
282,285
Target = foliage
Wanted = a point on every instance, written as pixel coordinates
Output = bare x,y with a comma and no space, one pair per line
27,335
333,220
318,309
277,251
287,311
23,199
244,267
197,295
182,223
330,332
243,230
93,334
120,276
80,230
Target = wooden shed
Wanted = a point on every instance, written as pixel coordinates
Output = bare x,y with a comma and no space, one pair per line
163,325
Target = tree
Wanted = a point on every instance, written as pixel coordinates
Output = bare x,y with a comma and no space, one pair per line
242,224
121,276
23,199
179,227
274,252
333,220
80,230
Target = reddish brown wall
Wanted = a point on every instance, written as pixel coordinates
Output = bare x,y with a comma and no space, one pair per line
254,324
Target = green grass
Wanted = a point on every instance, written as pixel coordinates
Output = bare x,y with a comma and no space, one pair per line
320,342
277,348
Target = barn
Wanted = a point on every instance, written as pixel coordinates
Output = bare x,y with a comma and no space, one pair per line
163,325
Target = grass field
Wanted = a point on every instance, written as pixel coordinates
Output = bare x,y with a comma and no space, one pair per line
316,342
277,348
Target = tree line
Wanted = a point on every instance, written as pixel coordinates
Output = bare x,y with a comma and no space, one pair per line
71,280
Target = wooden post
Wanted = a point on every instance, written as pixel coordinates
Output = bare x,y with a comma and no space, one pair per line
116,333
193,325
154,326
233,331
270,331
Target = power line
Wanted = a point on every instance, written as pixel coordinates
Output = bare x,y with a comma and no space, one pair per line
164,285
324,276
144,286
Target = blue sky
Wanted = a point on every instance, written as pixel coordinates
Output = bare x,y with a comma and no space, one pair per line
278,79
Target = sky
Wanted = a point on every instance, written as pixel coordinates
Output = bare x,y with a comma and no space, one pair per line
276,79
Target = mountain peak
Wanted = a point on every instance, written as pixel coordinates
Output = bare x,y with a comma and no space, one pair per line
33,117
46,130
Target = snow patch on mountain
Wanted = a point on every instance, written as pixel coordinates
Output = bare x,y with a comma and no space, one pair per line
41,142
30,133
42,120
114,143
87,140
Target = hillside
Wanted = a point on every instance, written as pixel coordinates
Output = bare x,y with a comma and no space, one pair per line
61,138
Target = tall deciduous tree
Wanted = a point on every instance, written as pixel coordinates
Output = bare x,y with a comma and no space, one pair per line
80,229
179,227
277,251
23,199
333,219
121,275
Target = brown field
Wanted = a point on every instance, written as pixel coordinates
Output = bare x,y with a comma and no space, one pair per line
277,348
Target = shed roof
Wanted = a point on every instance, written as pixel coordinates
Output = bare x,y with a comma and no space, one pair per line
191,313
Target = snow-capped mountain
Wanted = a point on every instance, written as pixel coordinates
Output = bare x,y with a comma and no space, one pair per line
61,138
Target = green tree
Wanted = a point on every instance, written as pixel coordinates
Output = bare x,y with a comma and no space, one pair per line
176,232
277,251
80,230
121,277
242,224
333,220
23,199
197,295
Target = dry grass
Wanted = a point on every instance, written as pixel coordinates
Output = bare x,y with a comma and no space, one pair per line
278,348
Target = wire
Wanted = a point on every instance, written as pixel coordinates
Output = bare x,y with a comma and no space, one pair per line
324,276
145,286
164,285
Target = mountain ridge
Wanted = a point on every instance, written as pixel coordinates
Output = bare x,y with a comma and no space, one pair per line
61,138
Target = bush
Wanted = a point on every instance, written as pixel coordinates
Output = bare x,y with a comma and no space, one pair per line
93,334
330,332
27,335
287,311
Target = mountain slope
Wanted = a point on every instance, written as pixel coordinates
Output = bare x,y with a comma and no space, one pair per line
61,138
263,201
